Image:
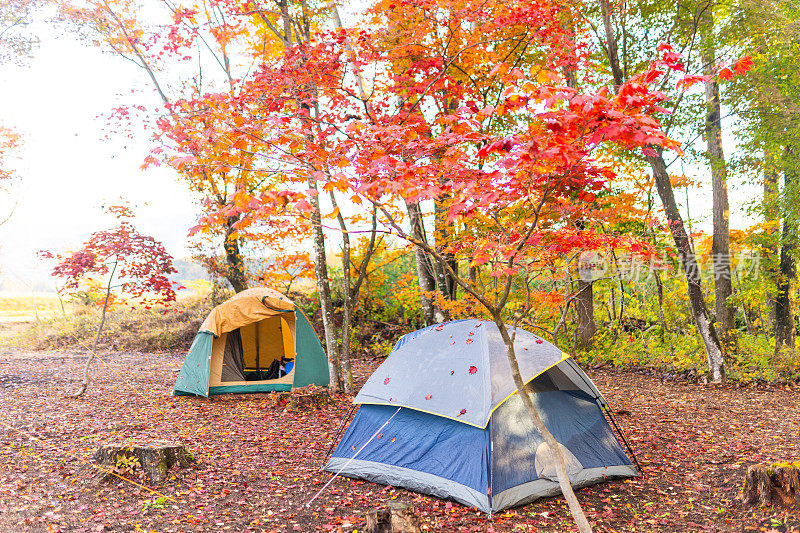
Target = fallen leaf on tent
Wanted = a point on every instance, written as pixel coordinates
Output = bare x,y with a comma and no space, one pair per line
386,381
380,436
469,341
393,439
539,341
471,333
473,369
428,397
463,412
452,343
452,372
440,327
478,325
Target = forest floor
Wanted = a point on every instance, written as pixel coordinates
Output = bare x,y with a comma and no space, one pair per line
258,464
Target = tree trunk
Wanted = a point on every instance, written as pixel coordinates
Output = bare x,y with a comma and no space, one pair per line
720,247
425,270
324,289
584,306
769,250
154,459
445,281
697,304
552,445
235,272
85,384
784,319
716,365
396,517
348,305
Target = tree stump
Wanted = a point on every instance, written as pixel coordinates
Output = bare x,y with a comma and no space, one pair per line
396,517
155,459
303,398
777,484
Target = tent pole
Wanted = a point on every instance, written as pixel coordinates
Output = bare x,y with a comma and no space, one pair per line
491,470
624,440
336,437
603,404
258,364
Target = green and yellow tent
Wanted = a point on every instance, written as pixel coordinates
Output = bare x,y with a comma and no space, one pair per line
257,341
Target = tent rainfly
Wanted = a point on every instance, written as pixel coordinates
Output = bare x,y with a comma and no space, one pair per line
257,341
458,429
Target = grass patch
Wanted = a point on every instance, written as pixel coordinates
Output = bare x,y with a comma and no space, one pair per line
126,328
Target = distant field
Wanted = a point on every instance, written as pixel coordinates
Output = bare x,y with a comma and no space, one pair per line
27,307
30,307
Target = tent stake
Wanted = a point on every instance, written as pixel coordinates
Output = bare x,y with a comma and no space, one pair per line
351,459
336,437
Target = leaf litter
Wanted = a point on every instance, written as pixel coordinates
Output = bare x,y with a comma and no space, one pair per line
258,462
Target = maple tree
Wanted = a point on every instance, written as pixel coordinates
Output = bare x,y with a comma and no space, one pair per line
191,128
526,178
136,265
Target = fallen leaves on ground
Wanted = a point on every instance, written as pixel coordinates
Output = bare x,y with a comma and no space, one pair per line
258,463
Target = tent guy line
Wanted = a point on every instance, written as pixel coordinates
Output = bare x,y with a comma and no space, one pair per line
377,432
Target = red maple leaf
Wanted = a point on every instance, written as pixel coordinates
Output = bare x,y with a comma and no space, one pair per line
743,65
386,381
440,327
469,341
473,369
463,412
539,341
725,74
428,397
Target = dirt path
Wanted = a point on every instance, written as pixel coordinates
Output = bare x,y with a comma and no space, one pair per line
258,464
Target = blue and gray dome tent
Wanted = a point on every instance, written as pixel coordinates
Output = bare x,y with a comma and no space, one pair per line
458,430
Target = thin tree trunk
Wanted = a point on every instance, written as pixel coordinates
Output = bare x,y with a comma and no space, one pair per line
584,300
660,290
85,385
770,248
714,353
445,282
235,272
425,269
584,306
697,304
784,319
324,289
552,444
720,247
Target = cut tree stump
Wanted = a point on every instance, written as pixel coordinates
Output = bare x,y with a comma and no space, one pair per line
396,517
155,459
776,484
303,398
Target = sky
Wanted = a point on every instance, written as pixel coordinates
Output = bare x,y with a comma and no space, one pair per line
67,170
